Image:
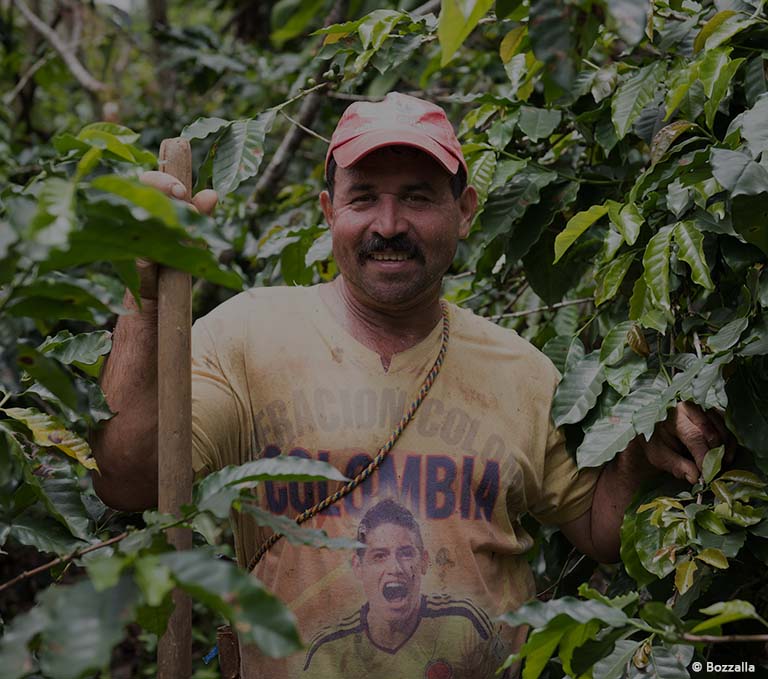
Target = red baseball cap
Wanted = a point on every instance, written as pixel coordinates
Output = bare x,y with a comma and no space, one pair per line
398,120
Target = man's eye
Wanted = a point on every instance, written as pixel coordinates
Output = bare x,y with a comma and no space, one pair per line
415,198
364,198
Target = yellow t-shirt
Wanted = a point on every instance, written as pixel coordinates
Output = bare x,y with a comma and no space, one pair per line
274,373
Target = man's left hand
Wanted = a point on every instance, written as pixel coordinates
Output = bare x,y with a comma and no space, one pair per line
680,443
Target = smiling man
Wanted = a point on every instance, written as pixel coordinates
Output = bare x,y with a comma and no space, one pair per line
326,372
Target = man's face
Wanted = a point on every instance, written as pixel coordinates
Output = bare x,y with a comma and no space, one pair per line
395,226
390,571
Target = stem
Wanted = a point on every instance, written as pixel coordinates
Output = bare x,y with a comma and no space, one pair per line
549,307
726,638
301,94
62,559
312,133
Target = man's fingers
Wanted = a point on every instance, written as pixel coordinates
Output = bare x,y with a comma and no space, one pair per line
695,430
205,201
164,182
664,457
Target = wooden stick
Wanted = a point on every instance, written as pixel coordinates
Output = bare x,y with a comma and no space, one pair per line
174,391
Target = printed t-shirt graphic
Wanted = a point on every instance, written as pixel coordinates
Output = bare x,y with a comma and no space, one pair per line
274,374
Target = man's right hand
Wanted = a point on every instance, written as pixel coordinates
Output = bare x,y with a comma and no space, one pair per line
203,202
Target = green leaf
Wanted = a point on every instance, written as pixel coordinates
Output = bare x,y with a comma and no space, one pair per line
539,613
714,557
258,615
724,612
48,431
578,390
574,639
84,626
104,572
55,218
728,335
656,267
510,44
681,82
44,534
154,578
753,127
612,348
629,19
622,376
148,198
297,535
627,220
634,94
738,173
240,152
377,26
293,22
630,556
540,646
49,373
613,665
576,226
712,462
684,575
538,123
62,496
86,347
612,433
666,137
709,28
216,492
725,30
203,127
481,170
508,203
611,276
716,72
15,658
120,132
457,20
690,248
668,662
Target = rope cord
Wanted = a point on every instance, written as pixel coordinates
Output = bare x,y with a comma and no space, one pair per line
383,451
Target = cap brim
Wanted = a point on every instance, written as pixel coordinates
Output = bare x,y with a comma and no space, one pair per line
356,148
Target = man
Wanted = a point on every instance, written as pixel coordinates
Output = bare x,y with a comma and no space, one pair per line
398,626
326,372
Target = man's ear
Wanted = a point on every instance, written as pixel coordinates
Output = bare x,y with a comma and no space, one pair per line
326,205
424,561
357,567
467,207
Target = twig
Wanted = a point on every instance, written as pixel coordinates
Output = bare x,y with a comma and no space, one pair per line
726,638
62,559
563,574
312,133
65,52
34,68
550,307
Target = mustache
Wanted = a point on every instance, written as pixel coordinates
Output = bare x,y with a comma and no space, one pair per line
398,243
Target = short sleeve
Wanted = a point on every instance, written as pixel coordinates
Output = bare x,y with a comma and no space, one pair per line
566,491
219,423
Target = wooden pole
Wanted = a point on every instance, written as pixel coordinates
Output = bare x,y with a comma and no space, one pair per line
174,391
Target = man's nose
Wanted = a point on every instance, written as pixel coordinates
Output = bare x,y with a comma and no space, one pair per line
389,220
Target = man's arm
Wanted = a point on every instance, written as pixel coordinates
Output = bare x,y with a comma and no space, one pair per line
125,447
678,447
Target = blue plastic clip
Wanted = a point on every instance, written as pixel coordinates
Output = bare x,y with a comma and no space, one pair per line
211,654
